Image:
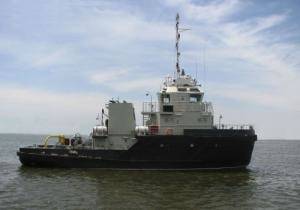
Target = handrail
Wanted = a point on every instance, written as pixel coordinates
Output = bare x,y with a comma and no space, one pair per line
61,139
234,127
152,107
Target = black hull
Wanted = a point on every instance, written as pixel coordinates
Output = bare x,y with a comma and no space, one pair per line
151,152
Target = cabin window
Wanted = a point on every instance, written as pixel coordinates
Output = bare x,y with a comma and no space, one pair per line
194,89
195,98
166,98
182,89
167,108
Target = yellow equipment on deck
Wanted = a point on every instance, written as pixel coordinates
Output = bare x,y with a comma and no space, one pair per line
61,139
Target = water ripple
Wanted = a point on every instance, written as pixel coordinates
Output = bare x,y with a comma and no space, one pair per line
271,181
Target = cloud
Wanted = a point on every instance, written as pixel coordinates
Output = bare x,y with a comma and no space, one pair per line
50,58
249,62
36,111
126,81
108,27
256,97
36,55
211,12
28,110
277,73
274,75
79,35
107,75
125,49
141,85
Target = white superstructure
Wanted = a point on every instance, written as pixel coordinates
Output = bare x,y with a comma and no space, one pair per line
180,103
180,106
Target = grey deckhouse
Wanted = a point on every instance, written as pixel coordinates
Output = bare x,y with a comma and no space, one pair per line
180,106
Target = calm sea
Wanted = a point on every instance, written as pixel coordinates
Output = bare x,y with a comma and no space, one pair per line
272,181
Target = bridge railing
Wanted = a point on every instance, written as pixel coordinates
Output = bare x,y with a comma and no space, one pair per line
207,107
234,127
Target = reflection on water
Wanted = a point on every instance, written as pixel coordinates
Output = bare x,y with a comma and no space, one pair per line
271,181
138,189
168,189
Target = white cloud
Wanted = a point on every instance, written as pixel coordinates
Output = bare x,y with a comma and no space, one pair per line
36,111
275,98
279,75
213,11
269,123
116,29
50,58
126,81
273,82
27,110
108,37
250,42
138,84
37,55
107,75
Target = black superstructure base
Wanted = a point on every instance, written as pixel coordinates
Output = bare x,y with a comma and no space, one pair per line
152,152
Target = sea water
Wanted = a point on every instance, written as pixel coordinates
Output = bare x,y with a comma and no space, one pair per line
271,181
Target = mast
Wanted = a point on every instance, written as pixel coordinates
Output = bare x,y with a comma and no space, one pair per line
179,71
177,46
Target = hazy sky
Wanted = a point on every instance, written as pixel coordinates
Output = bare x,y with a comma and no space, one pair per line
60,61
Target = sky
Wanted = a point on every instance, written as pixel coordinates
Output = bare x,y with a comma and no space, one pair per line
61,61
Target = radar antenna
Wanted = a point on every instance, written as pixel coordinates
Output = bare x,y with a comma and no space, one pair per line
178,30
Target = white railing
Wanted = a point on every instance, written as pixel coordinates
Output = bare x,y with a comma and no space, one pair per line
234,127
207,107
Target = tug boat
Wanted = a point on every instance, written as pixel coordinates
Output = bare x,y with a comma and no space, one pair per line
178,133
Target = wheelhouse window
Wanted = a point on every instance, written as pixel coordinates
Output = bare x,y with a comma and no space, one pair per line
165,98
182,89
195,98
167,108
194,89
